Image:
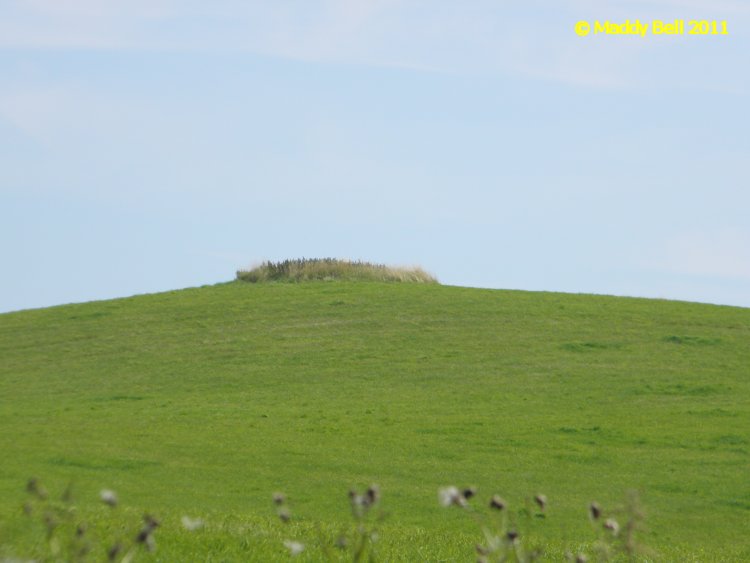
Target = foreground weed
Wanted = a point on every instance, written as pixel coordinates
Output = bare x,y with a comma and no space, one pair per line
501,528
68,538
617,530
517,536
357,543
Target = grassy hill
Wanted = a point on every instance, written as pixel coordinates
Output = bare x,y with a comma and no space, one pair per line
203,402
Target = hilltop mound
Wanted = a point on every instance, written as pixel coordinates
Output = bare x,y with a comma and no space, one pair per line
327,269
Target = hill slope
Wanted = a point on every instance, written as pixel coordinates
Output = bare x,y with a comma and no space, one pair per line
204,401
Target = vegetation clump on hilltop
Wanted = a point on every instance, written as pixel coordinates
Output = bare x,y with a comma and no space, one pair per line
309,269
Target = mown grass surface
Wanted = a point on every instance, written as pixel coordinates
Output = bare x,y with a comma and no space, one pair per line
205,401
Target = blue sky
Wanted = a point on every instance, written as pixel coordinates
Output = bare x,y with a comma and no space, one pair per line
154,145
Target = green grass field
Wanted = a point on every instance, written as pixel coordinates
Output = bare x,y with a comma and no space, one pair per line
203,402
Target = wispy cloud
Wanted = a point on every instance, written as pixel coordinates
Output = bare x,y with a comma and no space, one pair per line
533,41
84,24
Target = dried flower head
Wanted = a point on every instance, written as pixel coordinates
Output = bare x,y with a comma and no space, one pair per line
541,501
612,525
50,521
36,488
581,558
150,543
67,496
108,497
146,535
481,550
191,524
114,551
32,485
356,499
450,496
595,511
497,502
373,494
151,521
284,514
294,547
512,536
279,498
469,492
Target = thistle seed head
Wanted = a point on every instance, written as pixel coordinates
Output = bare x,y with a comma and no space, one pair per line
32,485
612,525
497,502
67,496
36,488
151,522
358,501
294,547
541,501
595,511
108,497
51,521
279,498
284,514
373,494
191,524
114,551
450,496
145,536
